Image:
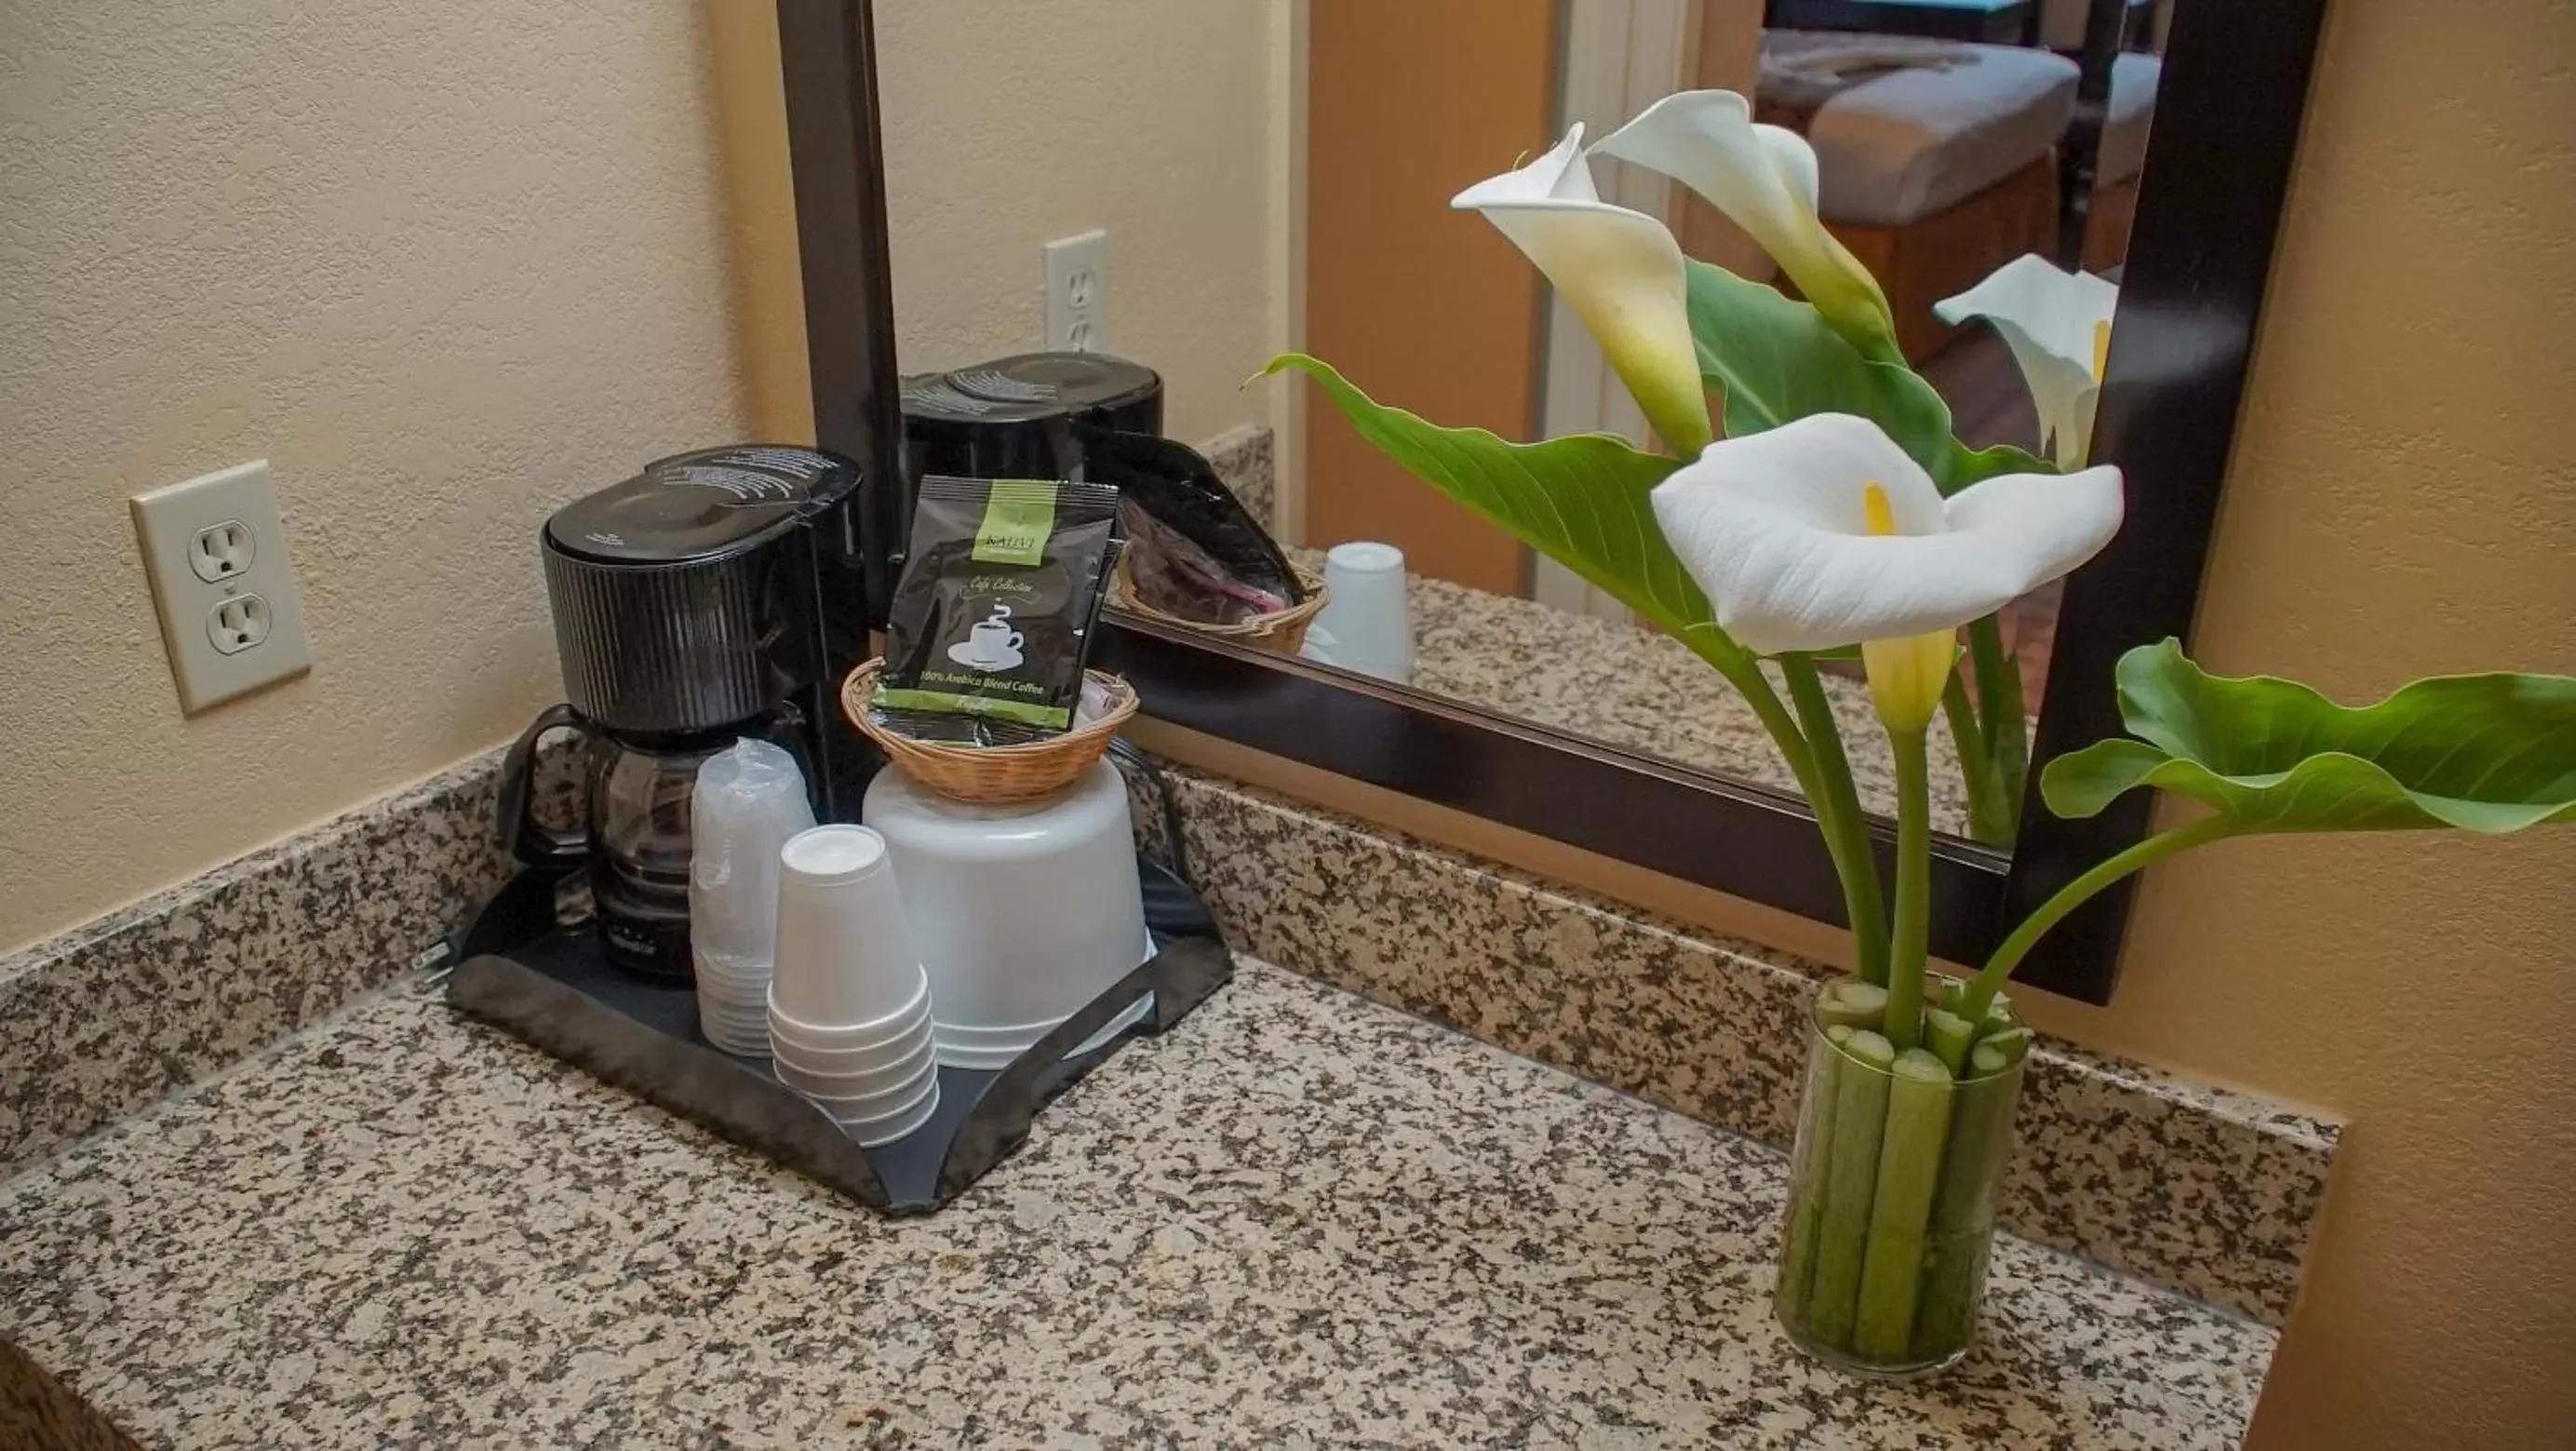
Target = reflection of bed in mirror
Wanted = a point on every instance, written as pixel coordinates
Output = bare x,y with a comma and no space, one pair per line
1938,159
1936,162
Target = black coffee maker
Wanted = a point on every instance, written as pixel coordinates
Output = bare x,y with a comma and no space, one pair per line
1020,417
713,596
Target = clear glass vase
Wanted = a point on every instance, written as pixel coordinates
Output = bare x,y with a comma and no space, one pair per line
1891,1210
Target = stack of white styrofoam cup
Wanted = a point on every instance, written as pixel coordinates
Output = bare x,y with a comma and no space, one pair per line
849,1003
747,803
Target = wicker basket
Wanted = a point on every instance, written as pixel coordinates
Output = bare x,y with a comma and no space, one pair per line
1283,633
991,773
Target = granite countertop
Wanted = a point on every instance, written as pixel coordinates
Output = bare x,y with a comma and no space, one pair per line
1642,690
1300,1219
1639,690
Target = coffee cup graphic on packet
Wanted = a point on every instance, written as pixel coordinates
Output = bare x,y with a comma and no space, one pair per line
991,644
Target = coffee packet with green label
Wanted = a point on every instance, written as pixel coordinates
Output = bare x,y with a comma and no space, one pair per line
992,619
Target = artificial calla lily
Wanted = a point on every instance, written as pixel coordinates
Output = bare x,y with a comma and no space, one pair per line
1764,179
1621,271
1821,533
1906,674
2058,325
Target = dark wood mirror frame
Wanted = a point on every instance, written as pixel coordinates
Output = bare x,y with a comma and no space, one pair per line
2234,88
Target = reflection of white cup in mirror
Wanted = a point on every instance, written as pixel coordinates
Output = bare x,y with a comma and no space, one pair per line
990,644
1367,623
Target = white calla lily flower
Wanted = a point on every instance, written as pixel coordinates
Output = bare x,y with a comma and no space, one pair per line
2058,325
1621,271
1821,533
1764,179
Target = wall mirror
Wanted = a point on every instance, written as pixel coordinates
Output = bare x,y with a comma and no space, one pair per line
2148,142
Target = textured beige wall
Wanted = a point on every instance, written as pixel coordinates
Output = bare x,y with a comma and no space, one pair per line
2403,502
1009,123
445,265
448,266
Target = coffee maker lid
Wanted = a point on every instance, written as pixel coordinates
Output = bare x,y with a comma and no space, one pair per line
701,505
934,396
1061,382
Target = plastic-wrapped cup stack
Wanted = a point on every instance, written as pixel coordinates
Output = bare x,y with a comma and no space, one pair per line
748,803
849,1007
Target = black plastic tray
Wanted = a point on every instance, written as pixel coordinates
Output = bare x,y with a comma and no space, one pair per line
549,985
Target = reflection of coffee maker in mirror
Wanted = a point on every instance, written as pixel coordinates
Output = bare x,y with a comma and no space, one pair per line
1016,417
691,605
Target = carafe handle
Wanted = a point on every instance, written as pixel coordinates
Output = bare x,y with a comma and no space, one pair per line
531,841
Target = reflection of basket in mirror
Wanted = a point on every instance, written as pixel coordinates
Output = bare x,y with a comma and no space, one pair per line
1282,633
997,773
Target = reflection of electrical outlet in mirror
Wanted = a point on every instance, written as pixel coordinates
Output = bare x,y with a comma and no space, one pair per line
231,615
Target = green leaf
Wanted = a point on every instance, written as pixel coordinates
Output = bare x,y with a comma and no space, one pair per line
1581,500
1967,465
1775,360
2484,753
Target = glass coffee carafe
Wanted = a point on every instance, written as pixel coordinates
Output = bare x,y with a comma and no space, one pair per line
633,838
705,600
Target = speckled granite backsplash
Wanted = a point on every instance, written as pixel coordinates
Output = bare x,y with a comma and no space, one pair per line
1243,462
107,1018
2212,1192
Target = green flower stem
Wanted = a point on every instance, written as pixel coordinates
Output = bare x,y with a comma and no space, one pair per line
1992,817
1851,1177
1743,672
1913,915
1837,807
1999,719
1950,1037
1999,1052
1860,892
1806,1219
1846,838
1998,1015
1852,1002
1990,978
2011,1043
1909,1173
1960,1232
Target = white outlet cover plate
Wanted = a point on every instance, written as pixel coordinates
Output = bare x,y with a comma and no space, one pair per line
167,523
1077,296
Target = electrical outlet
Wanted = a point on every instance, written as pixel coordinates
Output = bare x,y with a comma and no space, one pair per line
221,551
238,624
1077,280
232,618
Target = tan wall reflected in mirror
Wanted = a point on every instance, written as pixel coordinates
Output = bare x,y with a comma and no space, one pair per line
1423,303
1949,142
